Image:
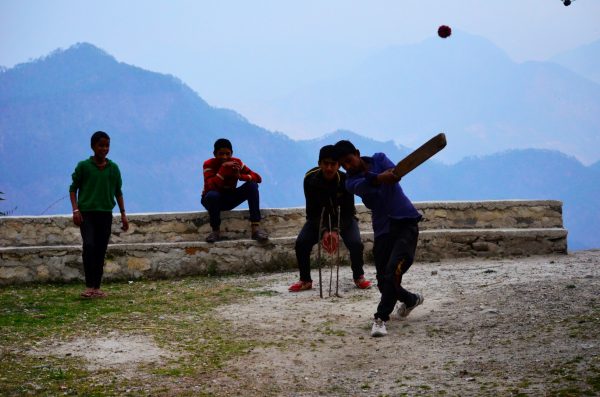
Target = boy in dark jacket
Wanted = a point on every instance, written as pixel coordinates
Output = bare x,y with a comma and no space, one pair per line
395,226
324,189
221,193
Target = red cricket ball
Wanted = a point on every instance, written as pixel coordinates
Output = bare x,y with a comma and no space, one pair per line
444,31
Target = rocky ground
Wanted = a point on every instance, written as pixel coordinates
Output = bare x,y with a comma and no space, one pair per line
511,326
527,326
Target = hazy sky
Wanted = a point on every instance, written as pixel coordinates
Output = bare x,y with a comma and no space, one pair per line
236,52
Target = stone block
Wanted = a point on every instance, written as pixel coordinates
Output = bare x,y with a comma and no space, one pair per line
138,264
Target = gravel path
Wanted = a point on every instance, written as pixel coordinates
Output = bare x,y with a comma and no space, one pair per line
505,327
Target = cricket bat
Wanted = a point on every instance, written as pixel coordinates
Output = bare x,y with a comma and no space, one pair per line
420,155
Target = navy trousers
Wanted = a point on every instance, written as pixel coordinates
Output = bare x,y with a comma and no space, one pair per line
226,200
309,236
95,232
394,253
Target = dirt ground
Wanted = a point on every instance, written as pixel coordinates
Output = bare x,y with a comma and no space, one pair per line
502,325
527,326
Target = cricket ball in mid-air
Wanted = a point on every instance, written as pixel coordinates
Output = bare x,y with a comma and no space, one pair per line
444,31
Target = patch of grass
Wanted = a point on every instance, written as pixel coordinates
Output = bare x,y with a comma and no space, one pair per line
266,293
326,328
177,314
433,331
168,371
212,268
524,383
575,377
594,381
336,390
449,365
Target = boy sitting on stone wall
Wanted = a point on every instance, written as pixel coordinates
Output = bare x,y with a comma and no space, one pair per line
221,193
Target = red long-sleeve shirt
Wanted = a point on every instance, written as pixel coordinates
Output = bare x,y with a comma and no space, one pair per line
218,177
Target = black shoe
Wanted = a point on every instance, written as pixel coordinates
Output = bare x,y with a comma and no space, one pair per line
260,236
213,237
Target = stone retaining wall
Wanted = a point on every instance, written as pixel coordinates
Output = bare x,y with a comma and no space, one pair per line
193,226
39,249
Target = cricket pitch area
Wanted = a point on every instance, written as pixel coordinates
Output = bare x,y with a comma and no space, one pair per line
523,326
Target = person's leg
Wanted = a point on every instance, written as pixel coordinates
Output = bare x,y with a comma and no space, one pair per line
103,225
87,230
403,254
95,232
381,252
382,248
404,236
212,202
351,237
249,192
246,192
307,238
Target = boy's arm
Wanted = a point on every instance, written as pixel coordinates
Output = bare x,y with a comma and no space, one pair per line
385,177
246,174
76,214
388,176
212,179
73,189
361,184
124,220
120,201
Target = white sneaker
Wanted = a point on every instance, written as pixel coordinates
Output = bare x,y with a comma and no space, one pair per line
378,328
404,311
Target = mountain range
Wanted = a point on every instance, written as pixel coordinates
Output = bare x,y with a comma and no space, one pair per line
162,131
584,60
464,86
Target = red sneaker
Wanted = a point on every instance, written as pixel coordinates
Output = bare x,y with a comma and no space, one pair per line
300,286
362,283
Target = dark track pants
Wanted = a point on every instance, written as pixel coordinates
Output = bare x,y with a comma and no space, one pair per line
309,236
394,253
95,232
215,202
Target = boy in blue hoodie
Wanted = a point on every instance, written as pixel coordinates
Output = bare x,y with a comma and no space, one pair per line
395,226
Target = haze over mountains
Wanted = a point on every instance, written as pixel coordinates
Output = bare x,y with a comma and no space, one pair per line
464,85
162,132
584,60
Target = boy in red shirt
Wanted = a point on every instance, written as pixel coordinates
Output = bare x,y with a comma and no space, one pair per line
221,192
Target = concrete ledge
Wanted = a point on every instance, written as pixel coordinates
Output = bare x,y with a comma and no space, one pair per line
38,249
193,226
176,259
491,214
435,245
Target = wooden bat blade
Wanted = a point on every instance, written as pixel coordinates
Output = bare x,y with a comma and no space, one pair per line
420,155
